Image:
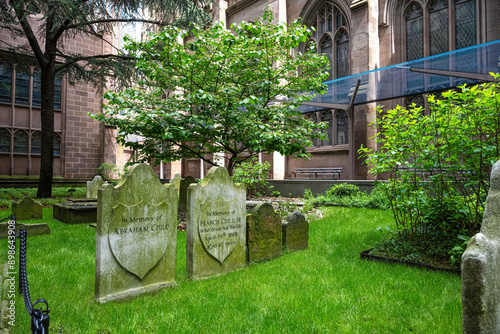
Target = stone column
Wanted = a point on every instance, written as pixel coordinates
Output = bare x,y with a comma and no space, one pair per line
279,165
175,168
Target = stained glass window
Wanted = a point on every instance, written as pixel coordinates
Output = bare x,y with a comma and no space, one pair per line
57,92
326,116
4,140
57,144
37,88
465,23
5,84
326,48
36,143
22,88
342,127
414,32
20,142
342,54
438,27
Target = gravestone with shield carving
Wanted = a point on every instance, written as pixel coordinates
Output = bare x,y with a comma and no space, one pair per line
136,236
216,233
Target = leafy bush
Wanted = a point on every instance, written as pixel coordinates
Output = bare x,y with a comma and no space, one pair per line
253,175
439,165
342,190
351,196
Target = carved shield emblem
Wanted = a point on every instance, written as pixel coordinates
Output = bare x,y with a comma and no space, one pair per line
138,236
220,226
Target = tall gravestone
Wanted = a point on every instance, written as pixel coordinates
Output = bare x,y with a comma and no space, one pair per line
183,187
216,232
481,268
136,236
176,181
295,232
263,233
93,186
27,208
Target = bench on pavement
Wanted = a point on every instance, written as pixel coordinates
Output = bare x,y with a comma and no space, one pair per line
335,171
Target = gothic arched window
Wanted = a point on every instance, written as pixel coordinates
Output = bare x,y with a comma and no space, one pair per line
414,18
330,25
452,24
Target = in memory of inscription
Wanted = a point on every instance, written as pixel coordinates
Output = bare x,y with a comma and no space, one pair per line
136,236
219,230
216,228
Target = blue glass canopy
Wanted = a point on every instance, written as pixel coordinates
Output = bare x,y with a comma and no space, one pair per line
399,81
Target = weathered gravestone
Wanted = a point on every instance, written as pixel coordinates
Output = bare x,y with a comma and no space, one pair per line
216,232
136,236
176,181
263,233
183,186
27,208
93,186
481,269
295,232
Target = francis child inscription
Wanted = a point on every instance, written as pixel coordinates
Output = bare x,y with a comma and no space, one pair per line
136,236
216,231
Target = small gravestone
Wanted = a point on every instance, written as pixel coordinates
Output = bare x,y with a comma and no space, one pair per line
27,208
481,268
183,186
93,186
295,232
216,232
263,233
176,181
136,236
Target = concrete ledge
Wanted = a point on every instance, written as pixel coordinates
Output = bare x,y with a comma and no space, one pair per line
296,187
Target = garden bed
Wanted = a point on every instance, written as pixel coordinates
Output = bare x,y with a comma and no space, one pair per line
379,258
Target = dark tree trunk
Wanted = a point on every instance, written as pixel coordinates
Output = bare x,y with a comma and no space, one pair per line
47,116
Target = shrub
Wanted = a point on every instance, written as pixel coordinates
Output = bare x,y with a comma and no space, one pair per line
253,175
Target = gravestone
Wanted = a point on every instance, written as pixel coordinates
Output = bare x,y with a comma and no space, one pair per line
263,233
481,268
176,181
216,232
295,232
136,236
183,186
27,208
93,186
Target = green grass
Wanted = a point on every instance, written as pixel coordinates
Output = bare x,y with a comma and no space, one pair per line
59,194
324,289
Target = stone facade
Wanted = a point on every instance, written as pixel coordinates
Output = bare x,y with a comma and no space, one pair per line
376,34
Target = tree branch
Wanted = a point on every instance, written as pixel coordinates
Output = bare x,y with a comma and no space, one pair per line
88,23
75,60
30,35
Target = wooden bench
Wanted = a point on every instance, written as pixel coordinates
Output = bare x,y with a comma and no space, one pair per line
330,170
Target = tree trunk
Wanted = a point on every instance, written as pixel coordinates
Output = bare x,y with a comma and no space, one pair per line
47,138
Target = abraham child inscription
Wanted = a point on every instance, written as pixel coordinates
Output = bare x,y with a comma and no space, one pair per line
136,236
216,230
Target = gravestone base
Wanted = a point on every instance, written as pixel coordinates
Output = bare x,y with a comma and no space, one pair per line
33,229
135,292
76,211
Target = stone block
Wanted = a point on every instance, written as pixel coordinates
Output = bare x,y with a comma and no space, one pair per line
216,231
481,268
33,229
264,235
26,209
295,232
76,211
136,249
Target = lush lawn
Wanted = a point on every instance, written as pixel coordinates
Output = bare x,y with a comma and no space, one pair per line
325,289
